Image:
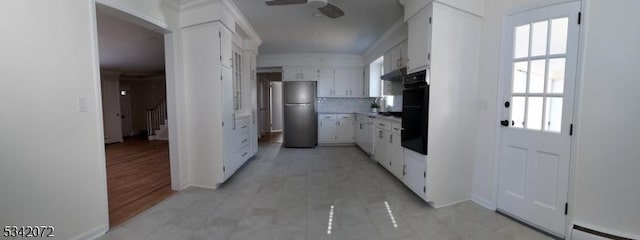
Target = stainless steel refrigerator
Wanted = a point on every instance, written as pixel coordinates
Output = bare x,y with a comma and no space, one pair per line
300,117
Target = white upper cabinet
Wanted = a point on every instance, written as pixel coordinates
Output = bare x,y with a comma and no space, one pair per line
300,74
325,82
226,48
309,74
396,57
357,82
420,40
341,82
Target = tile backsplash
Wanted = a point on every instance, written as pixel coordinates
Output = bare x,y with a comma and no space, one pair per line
344,104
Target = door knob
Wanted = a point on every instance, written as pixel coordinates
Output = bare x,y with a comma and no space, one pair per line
504,123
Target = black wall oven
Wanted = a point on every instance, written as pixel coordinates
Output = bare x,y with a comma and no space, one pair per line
415,112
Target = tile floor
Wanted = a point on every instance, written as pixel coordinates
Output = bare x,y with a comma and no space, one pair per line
290,193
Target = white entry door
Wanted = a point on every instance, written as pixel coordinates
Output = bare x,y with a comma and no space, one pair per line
539,79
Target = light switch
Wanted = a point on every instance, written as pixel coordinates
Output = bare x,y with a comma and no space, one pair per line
82,104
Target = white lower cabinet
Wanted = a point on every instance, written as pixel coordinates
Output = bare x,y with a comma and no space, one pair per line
415,172
397,152
239,146
336,128
382,153
326,128
364,133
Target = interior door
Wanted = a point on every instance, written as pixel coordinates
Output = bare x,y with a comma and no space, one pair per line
125,109
540,71
111,111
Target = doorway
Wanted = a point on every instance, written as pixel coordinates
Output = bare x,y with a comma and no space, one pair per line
539,75
132,66
270,103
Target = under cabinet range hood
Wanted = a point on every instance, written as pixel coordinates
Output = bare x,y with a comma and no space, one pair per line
395,75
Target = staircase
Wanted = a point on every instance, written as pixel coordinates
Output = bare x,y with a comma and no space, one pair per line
157,128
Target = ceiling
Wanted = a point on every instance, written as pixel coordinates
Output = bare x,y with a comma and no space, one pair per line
293,29
126,47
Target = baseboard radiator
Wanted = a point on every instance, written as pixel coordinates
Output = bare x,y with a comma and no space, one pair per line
582,233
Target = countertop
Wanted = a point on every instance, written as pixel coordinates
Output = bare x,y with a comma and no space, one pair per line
369,114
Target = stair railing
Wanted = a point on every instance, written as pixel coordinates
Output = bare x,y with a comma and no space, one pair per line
156,116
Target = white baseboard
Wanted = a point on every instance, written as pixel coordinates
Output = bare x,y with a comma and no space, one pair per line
201,186
448,204
93,233
483,202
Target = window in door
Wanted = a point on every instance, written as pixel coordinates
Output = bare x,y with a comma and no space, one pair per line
237,80
537,87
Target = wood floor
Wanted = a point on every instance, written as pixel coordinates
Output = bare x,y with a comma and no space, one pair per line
273,137
138,177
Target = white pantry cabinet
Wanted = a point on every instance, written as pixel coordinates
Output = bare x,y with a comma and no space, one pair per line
341,82
250,80
290,73
443,40
336,129
224,142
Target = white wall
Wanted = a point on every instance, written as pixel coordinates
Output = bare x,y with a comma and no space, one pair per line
607,194
52,167
162,16
396,34
277,121
484,170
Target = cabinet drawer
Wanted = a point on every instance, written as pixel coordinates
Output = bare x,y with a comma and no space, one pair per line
243,123
326,116
396,128
385,125
241,155
342,117
240,141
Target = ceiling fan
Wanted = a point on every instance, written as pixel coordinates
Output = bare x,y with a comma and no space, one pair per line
323,6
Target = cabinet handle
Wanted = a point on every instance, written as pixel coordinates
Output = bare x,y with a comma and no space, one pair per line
234,120
390,164
360,126
253,116
381,125
380,135
244,154
390,138
245,126
245,140
404,170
